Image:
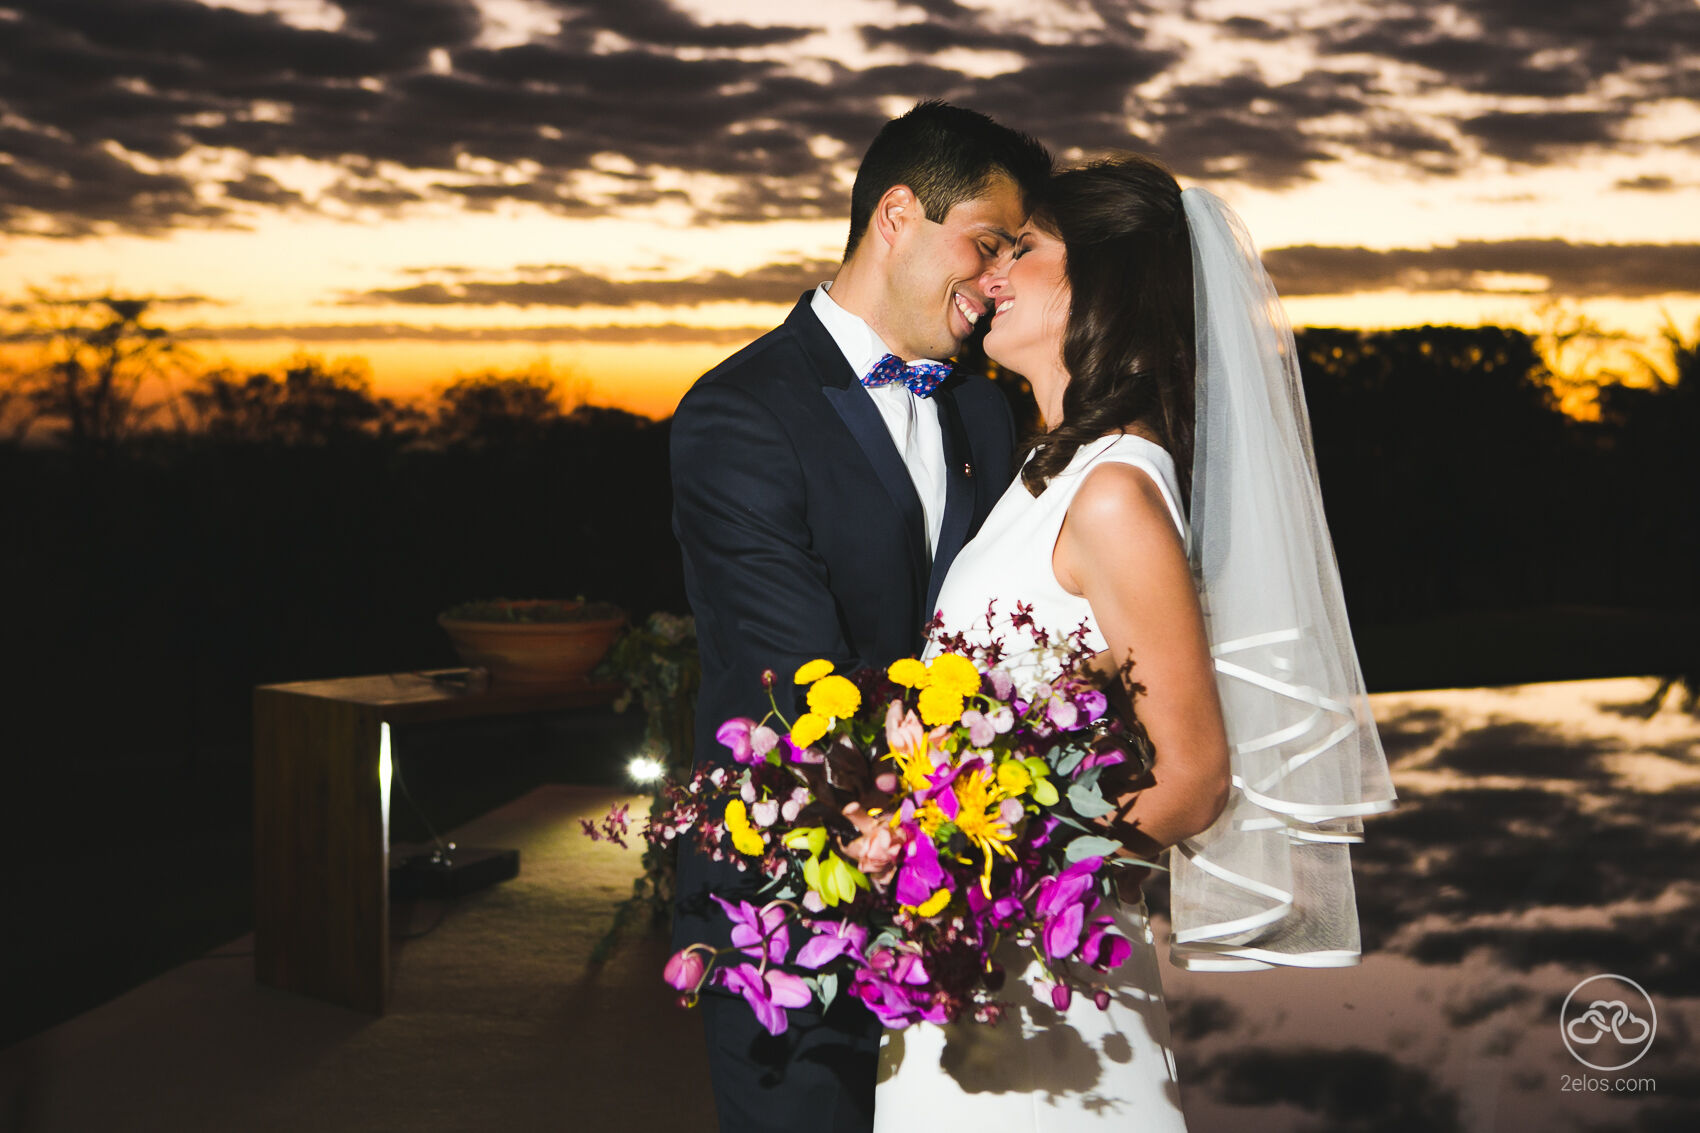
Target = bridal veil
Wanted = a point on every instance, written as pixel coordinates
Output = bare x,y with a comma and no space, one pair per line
1270,883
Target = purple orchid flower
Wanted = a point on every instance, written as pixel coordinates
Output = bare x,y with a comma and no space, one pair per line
795,754
1102,759
1062,932
755,931
735,734
1066,888
833,939
1039,832
1062,905
920,875
1103,949
1093,703
768,993
684,969
897,1002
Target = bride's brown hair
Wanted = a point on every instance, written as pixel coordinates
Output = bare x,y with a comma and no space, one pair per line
1128,346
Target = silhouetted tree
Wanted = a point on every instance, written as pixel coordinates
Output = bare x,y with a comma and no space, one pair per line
99,355
493,410
312,403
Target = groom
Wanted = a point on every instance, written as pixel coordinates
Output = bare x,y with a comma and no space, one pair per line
821,487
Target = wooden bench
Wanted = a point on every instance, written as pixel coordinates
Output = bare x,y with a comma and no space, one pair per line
322,763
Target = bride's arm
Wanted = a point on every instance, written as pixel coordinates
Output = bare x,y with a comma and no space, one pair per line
1119,549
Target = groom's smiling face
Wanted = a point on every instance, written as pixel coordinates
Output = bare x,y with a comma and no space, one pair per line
943,266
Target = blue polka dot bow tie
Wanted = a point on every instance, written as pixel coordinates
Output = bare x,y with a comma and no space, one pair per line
920,378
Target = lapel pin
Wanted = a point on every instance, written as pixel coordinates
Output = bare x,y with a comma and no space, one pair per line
968,471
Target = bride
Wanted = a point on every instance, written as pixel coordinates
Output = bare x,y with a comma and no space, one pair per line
1165,371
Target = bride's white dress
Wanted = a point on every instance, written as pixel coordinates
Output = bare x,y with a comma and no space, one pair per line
1042,1069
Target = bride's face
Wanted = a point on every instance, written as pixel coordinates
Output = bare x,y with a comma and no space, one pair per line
1030,306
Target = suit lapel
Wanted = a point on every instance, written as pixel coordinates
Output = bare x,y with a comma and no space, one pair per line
862,418
959,493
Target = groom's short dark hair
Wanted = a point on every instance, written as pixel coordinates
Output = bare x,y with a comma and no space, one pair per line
946,155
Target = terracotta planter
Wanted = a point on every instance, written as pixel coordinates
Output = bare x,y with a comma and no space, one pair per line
533,652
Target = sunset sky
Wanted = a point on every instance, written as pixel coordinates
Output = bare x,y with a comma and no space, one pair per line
630,189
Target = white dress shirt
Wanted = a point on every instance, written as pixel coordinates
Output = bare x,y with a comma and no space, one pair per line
913,421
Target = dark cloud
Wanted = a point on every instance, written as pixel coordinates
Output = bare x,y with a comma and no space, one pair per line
570,287
402,332
1570,268
658,23
1244,127
1556,50
102,98
1250,27
1538,136
1647,183
261,189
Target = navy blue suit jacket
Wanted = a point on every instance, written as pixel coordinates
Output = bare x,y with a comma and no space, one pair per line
802,533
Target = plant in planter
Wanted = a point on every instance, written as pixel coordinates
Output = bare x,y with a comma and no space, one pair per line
536,641
658,664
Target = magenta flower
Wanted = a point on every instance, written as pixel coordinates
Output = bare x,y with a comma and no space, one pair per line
768,993
1062,932
1102,759
1093,703
758,931
892,987
800,754
1102,948
1061,996
763,739
920,875
684,969
1066,888
735,734
833,939
1061,904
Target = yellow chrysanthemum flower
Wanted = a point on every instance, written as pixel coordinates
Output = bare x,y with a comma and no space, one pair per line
745,838
939,705
834,696
932,906
978,794
954,672
909,673
808,728
813,671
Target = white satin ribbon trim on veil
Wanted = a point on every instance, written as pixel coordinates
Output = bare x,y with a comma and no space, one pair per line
1270,882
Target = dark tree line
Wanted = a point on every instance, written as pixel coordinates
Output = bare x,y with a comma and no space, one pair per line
290,524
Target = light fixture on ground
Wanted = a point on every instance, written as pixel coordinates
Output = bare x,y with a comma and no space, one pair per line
645,769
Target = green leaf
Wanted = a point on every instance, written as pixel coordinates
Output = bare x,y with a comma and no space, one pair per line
827,985
1070,759
1088,777
1087,802
1091,846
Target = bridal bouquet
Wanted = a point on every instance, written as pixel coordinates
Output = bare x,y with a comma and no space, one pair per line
904,826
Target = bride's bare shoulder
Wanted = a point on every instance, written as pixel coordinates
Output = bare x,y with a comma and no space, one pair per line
1117,500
